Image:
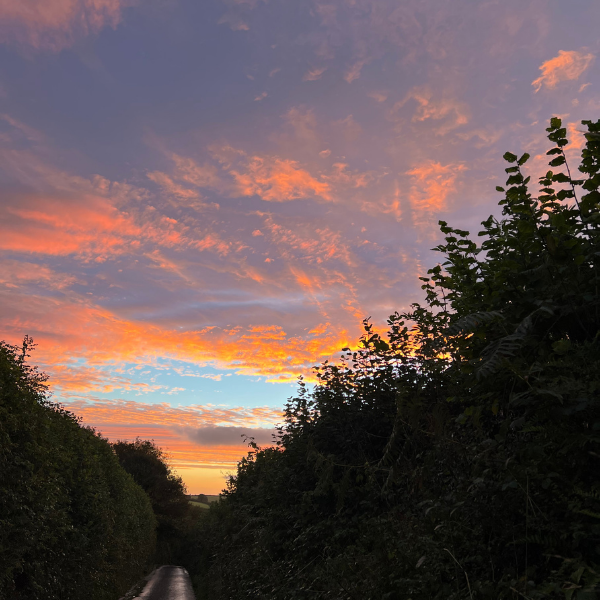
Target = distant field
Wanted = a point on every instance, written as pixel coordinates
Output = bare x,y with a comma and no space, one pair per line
203,500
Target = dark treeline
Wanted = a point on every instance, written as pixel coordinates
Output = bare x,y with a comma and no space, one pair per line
458,456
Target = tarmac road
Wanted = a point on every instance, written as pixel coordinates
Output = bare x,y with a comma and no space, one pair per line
168,583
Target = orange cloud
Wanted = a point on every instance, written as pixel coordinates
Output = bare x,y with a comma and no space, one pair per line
433,183
198,439
129,413
97,219
56,24
567,66
393,206
576,139
440,109
278,180
73,330
213,242
271,178
15,274
87,225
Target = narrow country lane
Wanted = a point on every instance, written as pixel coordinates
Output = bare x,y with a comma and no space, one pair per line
168,583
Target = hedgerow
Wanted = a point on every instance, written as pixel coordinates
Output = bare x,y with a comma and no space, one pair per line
73,523
458,456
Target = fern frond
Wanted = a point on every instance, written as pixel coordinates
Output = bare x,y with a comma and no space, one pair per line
495,353
473,321
589,513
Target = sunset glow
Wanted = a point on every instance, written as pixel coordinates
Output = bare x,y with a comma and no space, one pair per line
202,200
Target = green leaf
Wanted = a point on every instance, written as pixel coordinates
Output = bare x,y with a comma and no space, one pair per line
524,159
509,157
560,160
555,123
563,194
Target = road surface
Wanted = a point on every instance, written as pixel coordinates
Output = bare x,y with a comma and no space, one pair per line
168,583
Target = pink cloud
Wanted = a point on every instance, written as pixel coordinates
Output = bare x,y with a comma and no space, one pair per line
205,175
314,74
429,108
378,96
341,176
303,123
566,66
56,24
353,72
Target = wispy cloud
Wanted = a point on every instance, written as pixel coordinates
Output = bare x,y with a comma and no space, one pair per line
57,24
314,74
354,71
435,107
566,66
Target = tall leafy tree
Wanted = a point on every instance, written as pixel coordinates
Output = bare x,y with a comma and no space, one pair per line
148,465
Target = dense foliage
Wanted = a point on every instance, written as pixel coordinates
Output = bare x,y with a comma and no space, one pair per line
73,523
457,456
148,466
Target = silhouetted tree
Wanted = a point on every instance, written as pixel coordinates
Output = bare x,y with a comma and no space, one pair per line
147,464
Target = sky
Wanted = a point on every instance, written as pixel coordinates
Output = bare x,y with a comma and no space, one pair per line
199,201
